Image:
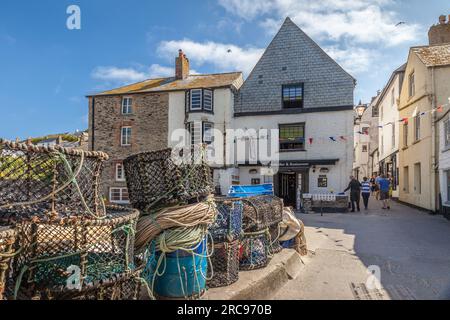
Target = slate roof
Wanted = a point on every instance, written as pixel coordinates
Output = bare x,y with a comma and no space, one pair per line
219,80
434,56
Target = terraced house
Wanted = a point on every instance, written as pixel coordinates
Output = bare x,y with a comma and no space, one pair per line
143,116
300,90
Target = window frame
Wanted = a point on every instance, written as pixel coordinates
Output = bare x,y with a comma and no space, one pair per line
190,100
417,127
120,179
301,85
212,100
447,133
129,106
411,84
204,124
122,136
121,195
405,134
204,96
303,140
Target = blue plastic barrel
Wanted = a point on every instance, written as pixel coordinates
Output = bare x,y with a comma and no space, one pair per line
184,275
288,244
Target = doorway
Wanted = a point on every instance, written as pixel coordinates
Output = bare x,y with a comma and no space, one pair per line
288,188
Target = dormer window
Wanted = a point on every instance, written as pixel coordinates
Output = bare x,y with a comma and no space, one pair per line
127,104
200,100
293,96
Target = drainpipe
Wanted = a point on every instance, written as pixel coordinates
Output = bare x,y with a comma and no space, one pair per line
434,147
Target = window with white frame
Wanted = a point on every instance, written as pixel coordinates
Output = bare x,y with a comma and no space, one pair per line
195,132
127,105
268,179
447,133
125,136
119,195
208,100
120,173
196,99
208,132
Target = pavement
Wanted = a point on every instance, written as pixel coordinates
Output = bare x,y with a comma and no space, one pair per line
406,249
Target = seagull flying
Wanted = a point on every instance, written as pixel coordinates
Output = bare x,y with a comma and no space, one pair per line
400,23
229,51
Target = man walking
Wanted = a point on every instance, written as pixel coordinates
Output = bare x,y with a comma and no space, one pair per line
355,192
365,191
384,185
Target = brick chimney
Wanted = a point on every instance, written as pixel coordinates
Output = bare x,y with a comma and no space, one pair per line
181,66
440,33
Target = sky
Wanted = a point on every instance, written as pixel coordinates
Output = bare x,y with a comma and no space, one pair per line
48,69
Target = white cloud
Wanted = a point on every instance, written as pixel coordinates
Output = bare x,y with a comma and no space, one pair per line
115,74
223,57
360,21
354,60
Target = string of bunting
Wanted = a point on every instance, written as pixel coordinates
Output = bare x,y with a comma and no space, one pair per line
416,113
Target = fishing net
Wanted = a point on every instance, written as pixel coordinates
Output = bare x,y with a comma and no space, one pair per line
228,224
273,241
49,180
167,177
261,212
7,240
254,250
128,286
225,264
58,253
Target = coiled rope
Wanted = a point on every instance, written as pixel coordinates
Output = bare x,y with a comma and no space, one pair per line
188,216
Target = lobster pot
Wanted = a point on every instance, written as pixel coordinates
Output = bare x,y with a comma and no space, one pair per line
167,177
178,275
254,251
273,241
126,286
225,264
261,212
42,180
7,240
228,224
63,254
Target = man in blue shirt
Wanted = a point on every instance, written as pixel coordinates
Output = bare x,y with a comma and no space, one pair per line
384,184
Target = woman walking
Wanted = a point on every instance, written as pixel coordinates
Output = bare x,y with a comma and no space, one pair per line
365,192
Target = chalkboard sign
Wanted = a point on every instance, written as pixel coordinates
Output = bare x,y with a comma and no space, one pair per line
323,181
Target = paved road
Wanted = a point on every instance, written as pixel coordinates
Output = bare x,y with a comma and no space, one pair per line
410,247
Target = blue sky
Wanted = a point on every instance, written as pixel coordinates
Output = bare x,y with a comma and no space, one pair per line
47,69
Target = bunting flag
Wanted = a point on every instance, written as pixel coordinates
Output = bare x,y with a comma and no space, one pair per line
311,140
333,139
343,138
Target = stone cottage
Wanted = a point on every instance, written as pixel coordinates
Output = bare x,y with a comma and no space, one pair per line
143,117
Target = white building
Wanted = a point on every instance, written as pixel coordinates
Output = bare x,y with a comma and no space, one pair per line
389,127
298,89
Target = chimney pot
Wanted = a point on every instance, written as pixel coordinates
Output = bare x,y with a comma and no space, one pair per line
442,19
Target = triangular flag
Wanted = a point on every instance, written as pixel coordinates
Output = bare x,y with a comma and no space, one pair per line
311,140
415,112
405,120
440,108
343,138
332,139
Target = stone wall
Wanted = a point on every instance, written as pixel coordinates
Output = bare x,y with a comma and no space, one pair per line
149,129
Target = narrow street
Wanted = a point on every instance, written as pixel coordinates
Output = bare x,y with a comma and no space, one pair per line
411,248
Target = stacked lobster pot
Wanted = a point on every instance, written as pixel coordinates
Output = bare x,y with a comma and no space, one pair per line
172,189
261,223
68,245
7,240
226,233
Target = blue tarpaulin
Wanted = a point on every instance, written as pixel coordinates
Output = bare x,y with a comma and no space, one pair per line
250,191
